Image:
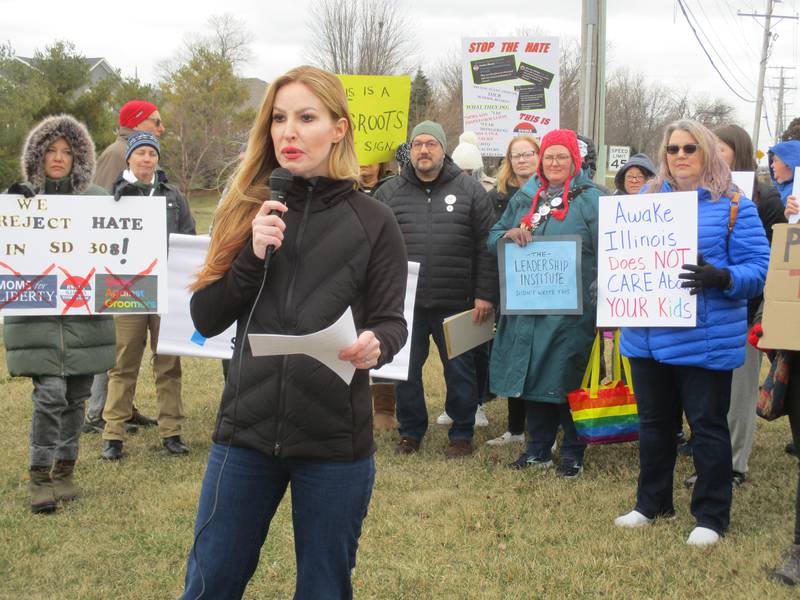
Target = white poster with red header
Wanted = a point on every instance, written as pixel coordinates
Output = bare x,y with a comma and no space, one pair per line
510,88
82,255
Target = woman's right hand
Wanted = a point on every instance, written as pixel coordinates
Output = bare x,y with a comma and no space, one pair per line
792,207
521,237
268,227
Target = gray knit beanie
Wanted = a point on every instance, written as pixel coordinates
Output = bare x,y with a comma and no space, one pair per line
432,129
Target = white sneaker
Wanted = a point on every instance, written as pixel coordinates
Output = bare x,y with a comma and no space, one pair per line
632,520
702,537
480,417
444,419
507,438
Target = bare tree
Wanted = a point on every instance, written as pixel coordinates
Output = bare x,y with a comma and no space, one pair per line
230,38
227,36
204,105
569,83
362,37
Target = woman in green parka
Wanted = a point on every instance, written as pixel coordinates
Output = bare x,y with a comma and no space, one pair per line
540,358
61,354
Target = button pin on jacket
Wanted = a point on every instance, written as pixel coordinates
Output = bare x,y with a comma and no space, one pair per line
450,199
556,202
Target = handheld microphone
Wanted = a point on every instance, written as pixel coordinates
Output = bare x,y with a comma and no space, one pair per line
280,182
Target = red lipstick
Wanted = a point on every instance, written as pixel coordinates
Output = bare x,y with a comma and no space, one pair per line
291,152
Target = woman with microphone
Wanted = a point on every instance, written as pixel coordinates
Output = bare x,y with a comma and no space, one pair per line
289,420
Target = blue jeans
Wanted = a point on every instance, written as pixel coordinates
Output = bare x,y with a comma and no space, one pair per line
543,421
329,503
704,395
57,417
461,400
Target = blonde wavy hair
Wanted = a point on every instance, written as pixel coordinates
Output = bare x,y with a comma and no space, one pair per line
716,176
248,187
506,176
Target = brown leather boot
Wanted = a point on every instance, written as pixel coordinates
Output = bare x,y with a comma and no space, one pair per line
65,490
43,498
384,400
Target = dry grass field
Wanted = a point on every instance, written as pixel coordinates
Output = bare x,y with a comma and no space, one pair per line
437,529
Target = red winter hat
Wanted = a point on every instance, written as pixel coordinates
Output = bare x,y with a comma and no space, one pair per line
134,112
558,137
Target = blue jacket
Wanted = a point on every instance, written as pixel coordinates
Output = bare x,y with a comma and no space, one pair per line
788,152
717,341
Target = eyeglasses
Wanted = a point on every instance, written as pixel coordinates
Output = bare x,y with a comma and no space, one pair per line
523,155
556,158
634,177
430,144
156,121
687,148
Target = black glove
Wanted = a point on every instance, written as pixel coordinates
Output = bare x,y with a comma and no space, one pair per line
126,190
704,276
21,188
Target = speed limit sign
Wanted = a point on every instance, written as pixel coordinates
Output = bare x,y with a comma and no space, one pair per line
617,157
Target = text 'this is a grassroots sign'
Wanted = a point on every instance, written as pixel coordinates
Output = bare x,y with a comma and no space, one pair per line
643,241
379,114
82,255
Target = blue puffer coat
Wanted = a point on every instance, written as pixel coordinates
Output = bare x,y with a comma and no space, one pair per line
717,341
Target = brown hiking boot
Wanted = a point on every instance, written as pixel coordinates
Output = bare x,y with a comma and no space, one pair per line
789,571
43,498
384,400
458,449
65,490
407,445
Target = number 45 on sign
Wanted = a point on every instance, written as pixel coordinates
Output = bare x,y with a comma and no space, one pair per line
617,157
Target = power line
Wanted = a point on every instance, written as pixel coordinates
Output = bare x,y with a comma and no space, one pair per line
744,36
711,60
721,44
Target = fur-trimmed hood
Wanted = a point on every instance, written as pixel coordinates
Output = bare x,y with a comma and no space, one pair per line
80,142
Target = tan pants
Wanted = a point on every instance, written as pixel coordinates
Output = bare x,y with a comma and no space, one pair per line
131,340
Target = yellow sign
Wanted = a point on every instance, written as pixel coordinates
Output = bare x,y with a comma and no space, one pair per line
379,114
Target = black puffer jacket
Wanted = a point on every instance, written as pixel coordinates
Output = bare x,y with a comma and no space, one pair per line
499,201
770,211
341,248
450,245
179,216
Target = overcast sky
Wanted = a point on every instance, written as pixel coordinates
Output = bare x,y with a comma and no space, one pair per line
650,36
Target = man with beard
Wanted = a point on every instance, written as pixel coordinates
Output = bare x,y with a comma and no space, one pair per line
445,218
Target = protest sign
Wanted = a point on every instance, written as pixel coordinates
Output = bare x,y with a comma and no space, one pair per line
795,193
744,181
781,318
177,335
82,255
510,88
643,241
379,114
398,368
541,278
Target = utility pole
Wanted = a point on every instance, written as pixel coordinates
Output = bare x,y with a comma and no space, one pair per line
592,97
763,64
780,120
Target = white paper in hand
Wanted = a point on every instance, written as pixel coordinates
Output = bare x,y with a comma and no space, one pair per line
323,345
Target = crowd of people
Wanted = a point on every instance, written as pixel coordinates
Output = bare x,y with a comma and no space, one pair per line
342,237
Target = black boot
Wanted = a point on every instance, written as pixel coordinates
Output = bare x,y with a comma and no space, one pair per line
112,450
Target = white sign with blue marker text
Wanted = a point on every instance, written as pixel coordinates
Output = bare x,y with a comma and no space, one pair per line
644,240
